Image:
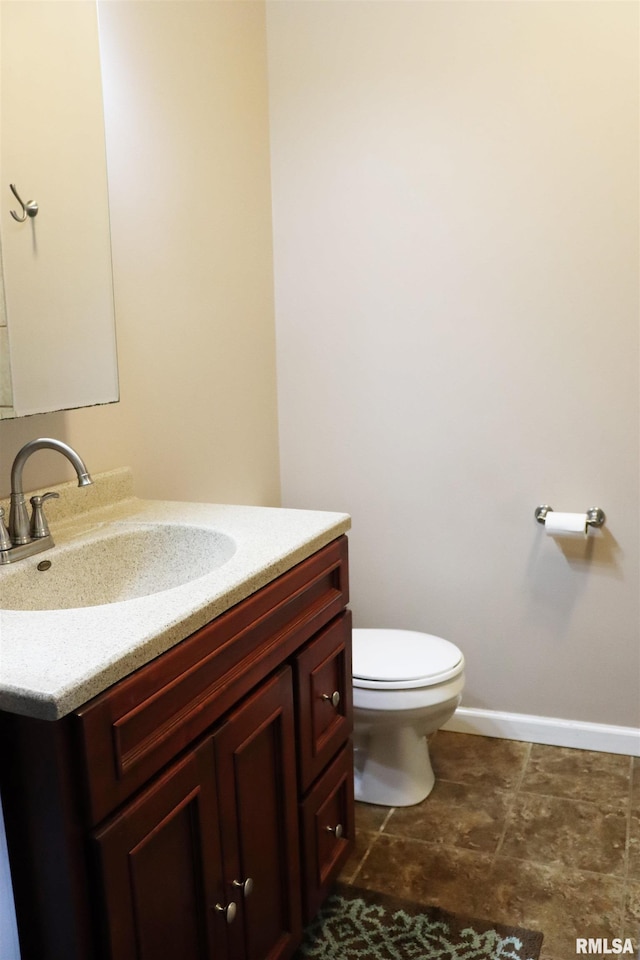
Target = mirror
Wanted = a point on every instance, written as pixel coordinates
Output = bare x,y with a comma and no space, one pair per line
57,328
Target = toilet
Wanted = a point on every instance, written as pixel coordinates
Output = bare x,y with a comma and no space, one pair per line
406,685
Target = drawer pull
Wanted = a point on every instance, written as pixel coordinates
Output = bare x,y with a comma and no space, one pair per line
245,885
334,698
229,911
337,830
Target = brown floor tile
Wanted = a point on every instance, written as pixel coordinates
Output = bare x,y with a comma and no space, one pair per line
634,846
557,832
562,866
370,816
363,841
456,814
563,904
632,913
635,792
426,873
632,903
466,758
634,935
577,774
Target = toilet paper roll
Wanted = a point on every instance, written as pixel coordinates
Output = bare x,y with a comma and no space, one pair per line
558,524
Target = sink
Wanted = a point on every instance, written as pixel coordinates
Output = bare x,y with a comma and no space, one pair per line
120,562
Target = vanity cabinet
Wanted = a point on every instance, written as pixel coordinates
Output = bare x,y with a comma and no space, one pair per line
202,807
220,830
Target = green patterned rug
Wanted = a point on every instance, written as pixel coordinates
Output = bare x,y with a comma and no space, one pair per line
356,924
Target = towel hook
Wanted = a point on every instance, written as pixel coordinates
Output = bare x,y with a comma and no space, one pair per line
29,209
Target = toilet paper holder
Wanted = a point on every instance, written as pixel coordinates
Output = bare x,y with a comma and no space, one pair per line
595,516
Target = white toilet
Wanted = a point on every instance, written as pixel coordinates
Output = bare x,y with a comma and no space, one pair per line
405,686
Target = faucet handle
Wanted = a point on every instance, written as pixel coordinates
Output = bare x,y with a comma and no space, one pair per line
5,539
39,525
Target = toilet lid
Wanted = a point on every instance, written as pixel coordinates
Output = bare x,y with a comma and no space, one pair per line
404,657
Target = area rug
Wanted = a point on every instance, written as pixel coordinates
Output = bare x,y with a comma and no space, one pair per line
357,924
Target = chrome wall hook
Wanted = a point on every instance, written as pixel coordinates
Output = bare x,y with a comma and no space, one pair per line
29,209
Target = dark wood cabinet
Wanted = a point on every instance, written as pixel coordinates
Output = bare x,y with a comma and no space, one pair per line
160,867
202,807
255,762
327,829
203,863
324,698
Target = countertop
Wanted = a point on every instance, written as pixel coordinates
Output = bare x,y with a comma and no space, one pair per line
53,661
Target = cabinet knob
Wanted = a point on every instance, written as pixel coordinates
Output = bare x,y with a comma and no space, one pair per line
334,698
229,911
245,885
337,830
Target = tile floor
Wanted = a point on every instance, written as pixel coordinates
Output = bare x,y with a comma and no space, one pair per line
518,833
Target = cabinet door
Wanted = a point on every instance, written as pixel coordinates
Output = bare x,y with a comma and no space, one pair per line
160,867
255,760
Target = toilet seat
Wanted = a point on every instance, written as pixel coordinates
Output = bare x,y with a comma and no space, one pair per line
400,659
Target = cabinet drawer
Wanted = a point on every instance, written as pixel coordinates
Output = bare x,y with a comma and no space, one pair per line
328,830
324,698
131,731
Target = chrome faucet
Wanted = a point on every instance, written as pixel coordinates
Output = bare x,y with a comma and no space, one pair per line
28,536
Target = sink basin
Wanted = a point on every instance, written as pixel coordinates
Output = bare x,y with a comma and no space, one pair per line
120,563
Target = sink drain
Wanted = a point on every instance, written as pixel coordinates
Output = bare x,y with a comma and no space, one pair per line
44,565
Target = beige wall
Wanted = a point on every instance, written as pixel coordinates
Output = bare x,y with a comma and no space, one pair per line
455,190
188,156
456,260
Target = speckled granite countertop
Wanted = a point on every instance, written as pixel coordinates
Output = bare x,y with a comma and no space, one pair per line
52,661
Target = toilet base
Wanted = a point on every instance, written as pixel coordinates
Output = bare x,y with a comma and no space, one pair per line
392,767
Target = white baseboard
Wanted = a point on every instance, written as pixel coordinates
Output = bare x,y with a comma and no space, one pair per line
602,737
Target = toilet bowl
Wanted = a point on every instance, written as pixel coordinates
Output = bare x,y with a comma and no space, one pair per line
406,685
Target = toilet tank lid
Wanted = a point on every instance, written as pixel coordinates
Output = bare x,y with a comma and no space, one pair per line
404,655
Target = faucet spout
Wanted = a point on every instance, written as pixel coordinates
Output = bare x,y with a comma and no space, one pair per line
18,516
